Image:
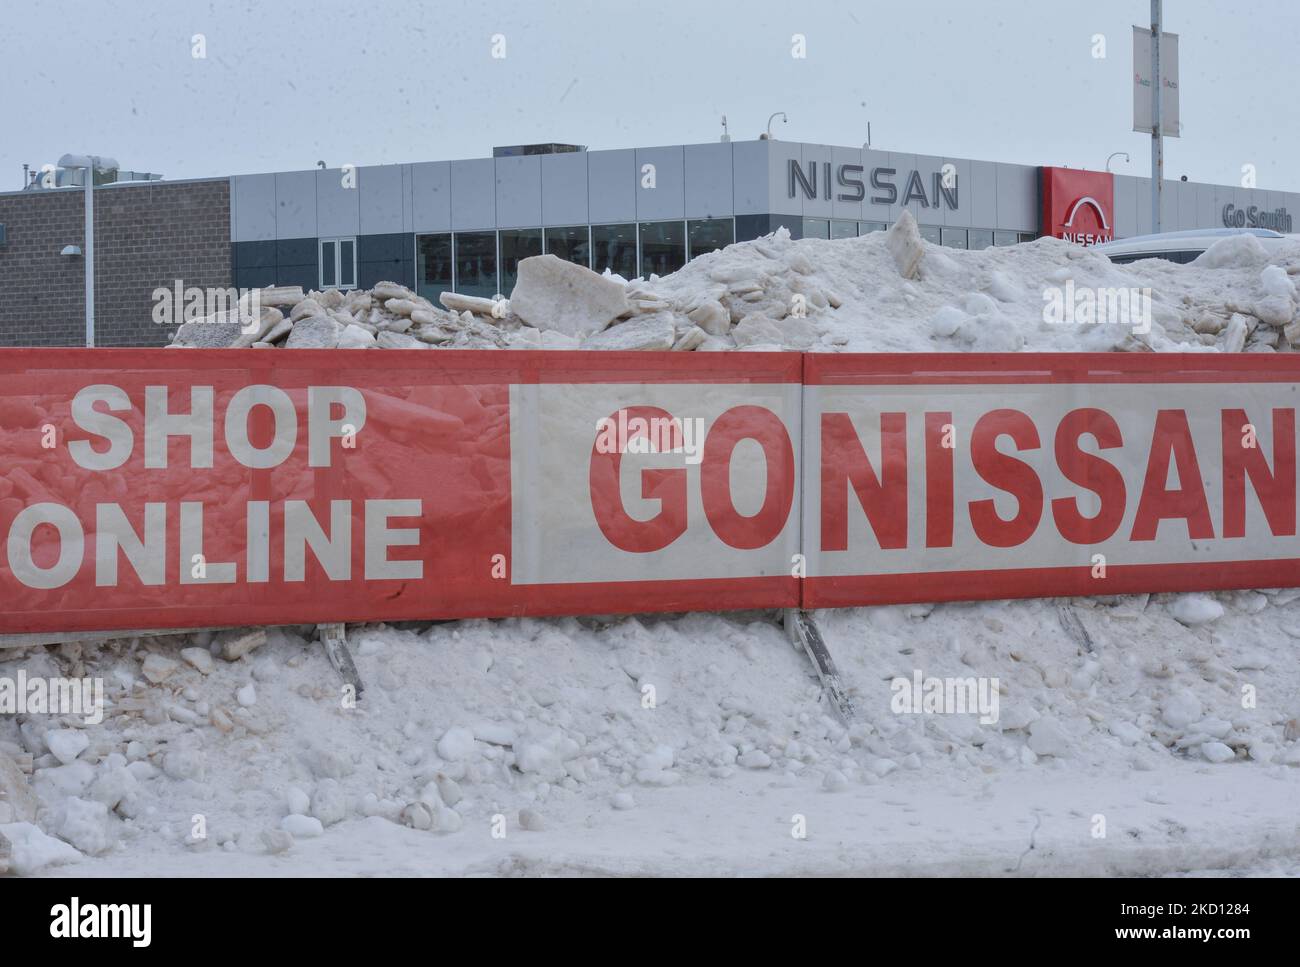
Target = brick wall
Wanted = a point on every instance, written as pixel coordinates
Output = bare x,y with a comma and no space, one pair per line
146,235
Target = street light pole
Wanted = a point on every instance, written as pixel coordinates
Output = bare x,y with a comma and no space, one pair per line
89,164
90,258
1157,136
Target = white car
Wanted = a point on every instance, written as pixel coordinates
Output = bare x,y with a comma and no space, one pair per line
1180,247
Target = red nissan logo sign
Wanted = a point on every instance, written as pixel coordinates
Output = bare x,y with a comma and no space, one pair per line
1078,205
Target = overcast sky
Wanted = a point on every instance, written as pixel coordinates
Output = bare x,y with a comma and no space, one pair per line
286,83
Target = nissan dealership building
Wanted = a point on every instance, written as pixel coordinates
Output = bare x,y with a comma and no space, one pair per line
465,225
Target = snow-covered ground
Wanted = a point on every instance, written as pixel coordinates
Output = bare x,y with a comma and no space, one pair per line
1134,735
548,718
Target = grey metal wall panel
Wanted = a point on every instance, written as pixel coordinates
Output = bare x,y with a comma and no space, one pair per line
382,200
667,199
1207,212
252,198
564,189
519,191
611,185
816,156
928,166
473,195
295,204
902,164
1169,207
708,169
338,207
1266,200
1241,197
979,194
1018,201
1280,199
408,208
1125,206
431,196
1291,200
961,215
1186,205
1143,206
779,155
846,209
749,177
874,211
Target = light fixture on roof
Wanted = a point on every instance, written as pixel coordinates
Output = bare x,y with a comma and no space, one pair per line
775,114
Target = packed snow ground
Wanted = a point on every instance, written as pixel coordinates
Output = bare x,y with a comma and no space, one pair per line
540,730
543,723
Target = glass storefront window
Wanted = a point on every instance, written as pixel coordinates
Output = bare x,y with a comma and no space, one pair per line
476,263
953,237
571,244
432,265
866,228
932,233
843,229
981,238
1027,236
663,247
328,264
517,244
709,235
613,247
347,263
1004,238
816,228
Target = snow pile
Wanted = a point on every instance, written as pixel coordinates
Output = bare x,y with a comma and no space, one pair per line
843,295
534,724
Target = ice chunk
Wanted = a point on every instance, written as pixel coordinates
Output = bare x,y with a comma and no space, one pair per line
1195,609
31,850
552,293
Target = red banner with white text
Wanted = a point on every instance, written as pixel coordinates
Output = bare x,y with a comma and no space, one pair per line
166,488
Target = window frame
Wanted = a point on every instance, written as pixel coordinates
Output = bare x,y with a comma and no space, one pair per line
641,243
456,257
337,241
721,219
954,232
636,244
501,254
546,246
415,260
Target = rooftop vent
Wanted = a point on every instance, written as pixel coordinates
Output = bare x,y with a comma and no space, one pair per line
516,150
63,177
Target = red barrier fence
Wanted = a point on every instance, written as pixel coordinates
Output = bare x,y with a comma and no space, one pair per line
162,488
